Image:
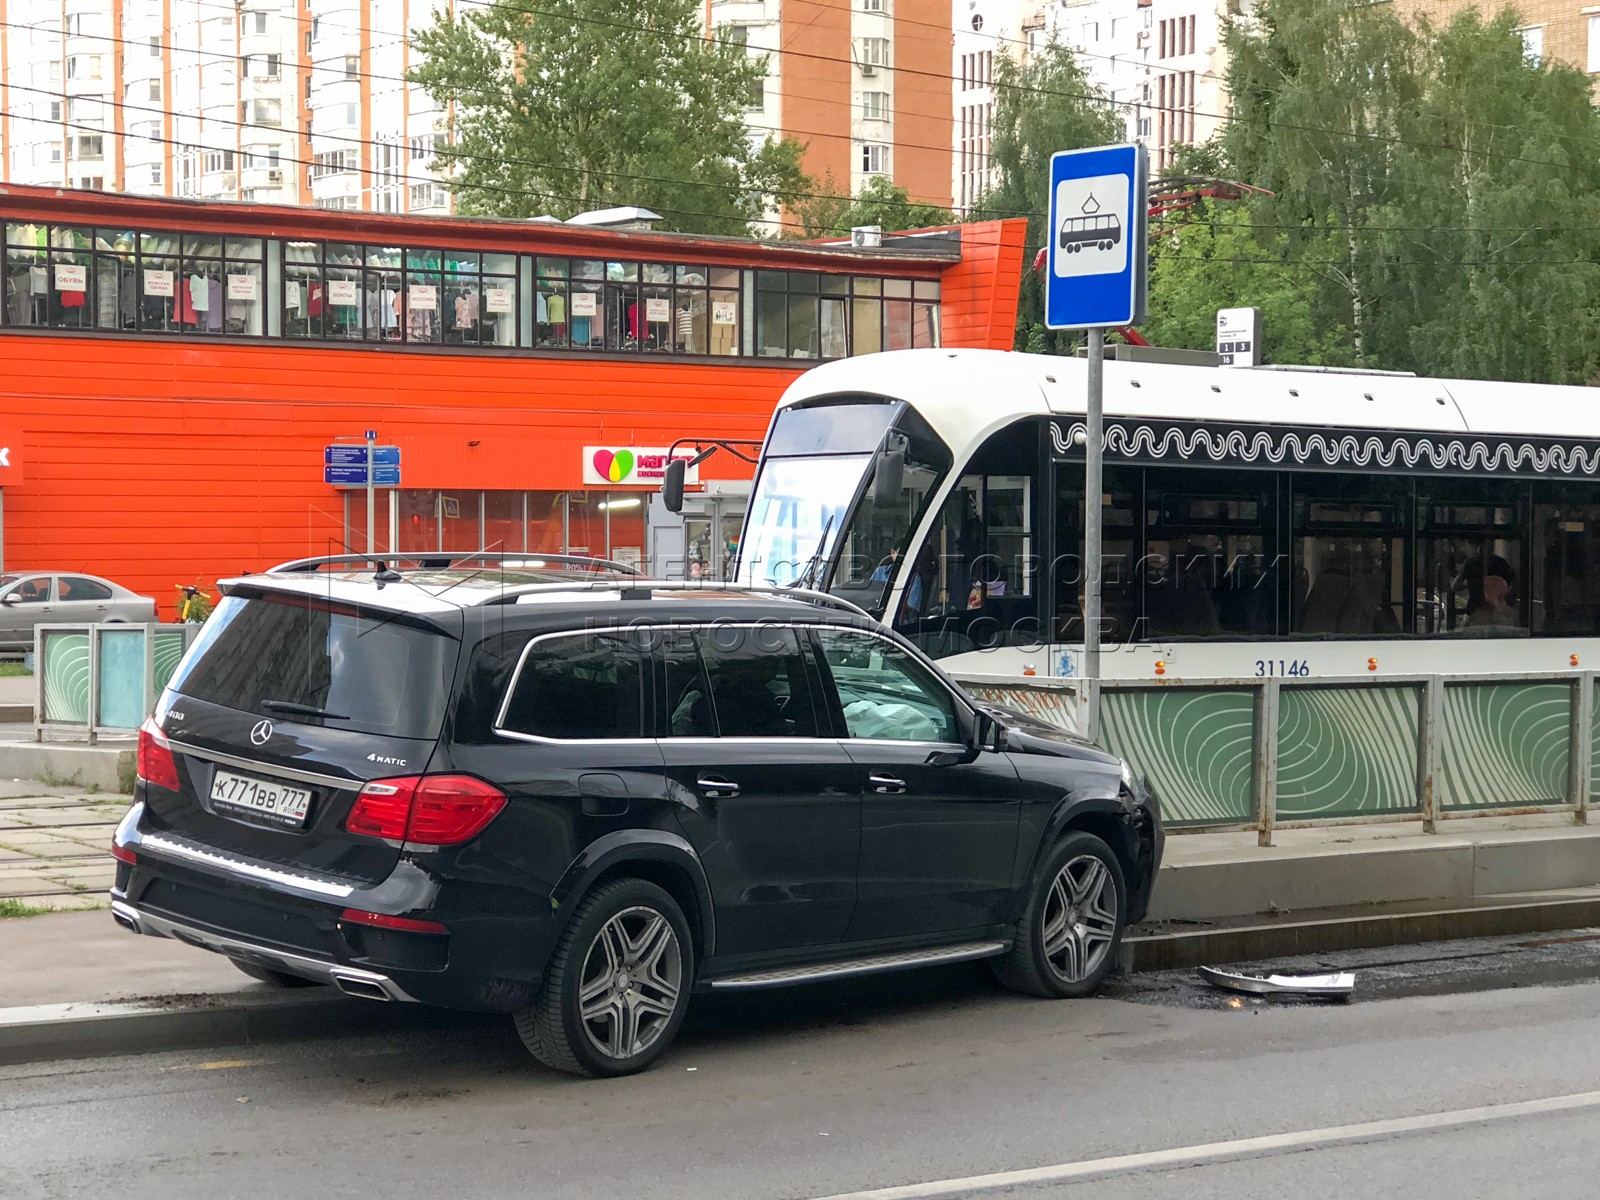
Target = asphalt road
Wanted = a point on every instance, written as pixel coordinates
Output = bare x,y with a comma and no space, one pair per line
927,1078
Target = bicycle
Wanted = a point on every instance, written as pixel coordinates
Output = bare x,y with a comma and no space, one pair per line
194,606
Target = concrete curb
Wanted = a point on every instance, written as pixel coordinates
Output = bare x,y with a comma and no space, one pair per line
1327,934
66,1031
16,714
106,768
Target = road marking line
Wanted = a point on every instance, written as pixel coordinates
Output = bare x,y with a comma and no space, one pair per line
1213,1152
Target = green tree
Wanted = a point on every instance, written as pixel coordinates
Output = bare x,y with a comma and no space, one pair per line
1045,105
879,202
583,105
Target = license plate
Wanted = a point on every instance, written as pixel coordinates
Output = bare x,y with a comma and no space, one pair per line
274,803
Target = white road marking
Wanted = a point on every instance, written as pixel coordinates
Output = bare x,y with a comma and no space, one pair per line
1213,1152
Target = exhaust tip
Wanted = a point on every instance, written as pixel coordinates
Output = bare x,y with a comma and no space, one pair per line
125,920
364,989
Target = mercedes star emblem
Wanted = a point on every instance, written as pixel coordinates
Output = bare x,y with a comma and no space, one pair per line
261,733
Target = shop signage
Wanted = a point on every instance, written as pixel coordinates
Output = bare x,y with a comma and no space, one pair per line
657,310
422,297
71,279
342,293
345,465
637,465
497,300
241,287
583,304
158,283
724,312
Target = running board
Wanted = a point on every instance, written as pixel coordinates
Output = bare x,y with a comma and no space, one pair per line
875,965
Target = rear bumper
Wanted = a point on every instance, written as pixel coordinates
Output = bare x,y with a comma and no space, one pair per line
353,981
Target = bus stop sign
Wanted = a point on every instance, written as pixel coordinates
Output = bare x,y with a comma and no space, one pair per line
1097,266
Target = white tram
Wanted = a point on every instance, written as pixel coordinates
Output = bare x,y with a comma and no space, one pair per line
1258,521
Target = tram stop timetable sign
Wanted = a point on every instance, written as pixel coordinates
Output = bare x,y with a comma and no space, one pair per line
1096,275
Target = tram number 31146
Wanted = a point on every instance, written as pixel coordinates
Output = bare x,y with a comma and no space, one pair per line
1266,667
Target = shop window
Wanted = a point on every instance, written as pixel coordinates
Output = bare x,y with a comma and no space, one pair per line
550,317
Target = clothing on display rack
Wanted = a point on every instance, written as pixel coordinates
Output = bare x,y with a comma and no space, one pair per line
466,306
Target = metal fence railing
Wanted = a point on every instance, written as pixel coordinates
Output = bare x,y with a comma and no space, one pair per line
1274,753
94,680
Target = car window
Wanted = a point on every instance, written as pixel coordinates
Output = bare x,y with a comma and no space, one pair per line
587,685
758,682
35,589
885,692
689,711
76,587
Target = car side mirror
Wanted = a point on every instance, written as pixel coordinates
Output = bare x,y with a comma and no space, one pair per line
889,478
8,599
672,485
988,734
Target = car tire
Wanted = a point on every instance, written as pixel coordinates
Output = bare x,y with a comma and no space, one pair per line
278,979
617,985
1072,926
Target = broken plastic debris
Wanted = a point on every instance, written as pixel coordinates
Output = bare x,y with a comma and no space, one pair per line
1337,986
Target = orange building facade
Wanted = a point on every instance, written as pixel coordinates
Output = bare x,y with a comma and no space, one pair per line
171,374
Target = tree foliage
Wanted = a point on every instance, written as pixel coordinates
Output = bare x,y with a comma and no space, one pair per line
1042,106
1433,207
583,105
880,202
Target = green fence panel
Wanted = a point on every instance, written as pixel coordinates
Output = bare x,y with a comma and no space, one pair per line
1347,751
169,653
122,696
1505,744
1194,746
66,677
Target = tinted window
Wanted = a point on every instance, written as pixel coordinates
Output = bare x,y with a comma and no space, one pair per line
370,673
758,682
582,686
688,691
884,692
75,587
830,429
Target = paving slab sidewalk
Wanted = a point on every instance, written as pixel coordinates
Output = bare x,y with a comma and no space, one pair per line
54,845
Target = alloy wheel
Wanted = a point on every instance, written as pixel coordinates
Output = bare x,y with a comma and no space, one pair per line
1080,918
632,978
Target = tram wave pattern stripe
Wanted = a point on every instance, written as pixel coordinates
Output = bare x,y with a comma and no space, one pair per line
1346,450
1505,744
1194,747
167,654
66,678
1346,751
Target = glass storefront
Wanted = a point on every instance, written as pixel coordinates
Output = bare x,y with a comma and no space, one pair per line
595,523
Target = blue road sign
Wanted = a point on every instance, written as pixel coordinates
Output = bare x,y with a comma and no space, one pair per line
355,475
1096,268
350,454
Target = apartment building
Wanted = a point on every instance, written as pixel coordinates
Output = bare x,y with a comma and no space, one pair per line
273,101
981,31
864,83
1564,31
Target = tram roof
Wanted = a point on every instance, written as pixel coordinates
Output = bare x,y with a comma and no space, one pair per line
966,394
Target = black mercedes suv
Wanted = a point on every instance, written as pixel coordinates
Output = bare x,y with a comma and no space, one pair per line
555,789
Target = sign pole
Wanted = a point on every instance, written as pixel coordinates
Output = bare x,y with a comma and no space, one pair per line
372,470
1093,492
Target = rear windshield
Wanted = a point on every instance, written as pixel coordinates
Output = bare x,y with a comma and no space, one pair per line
366,673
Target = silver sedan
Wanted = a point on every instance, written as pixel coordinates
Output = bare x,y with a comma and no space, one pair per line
48,598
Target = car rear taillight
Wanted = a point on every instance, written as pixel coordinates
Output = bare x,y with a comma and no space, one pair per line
427,810
358,916
155,762
123,854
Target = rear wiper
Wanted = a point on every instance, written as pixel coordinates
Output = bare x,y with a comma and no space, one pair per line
303,710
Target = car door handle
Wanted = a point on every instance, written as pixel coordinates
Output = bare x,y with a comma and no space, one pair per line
888,785
716,787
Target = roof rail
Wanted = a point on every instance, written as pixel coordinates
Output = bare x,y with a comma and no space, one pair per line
820,599
443,560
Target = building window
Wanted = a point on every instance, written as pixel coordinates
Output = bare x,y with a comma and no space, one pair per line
352,66
334,162
874,159
874,106
55,110
1533,43
1594,43
218,160
273,159
426,195
872,52
155,174
311,36
266,112
350,115
91,145
874,6
256,21
155,47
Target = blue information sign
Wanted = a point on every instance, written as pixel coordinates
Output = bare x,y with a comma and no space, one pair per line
1095,276
355,475
351,454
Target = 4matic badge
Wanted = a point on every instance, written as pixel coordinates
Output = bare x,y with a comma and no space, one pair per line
386,760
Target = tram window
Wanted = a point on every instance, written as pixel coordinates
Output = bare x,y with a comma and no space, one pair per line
1469,575
1565,574
1206,571
1349,555
1121,569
